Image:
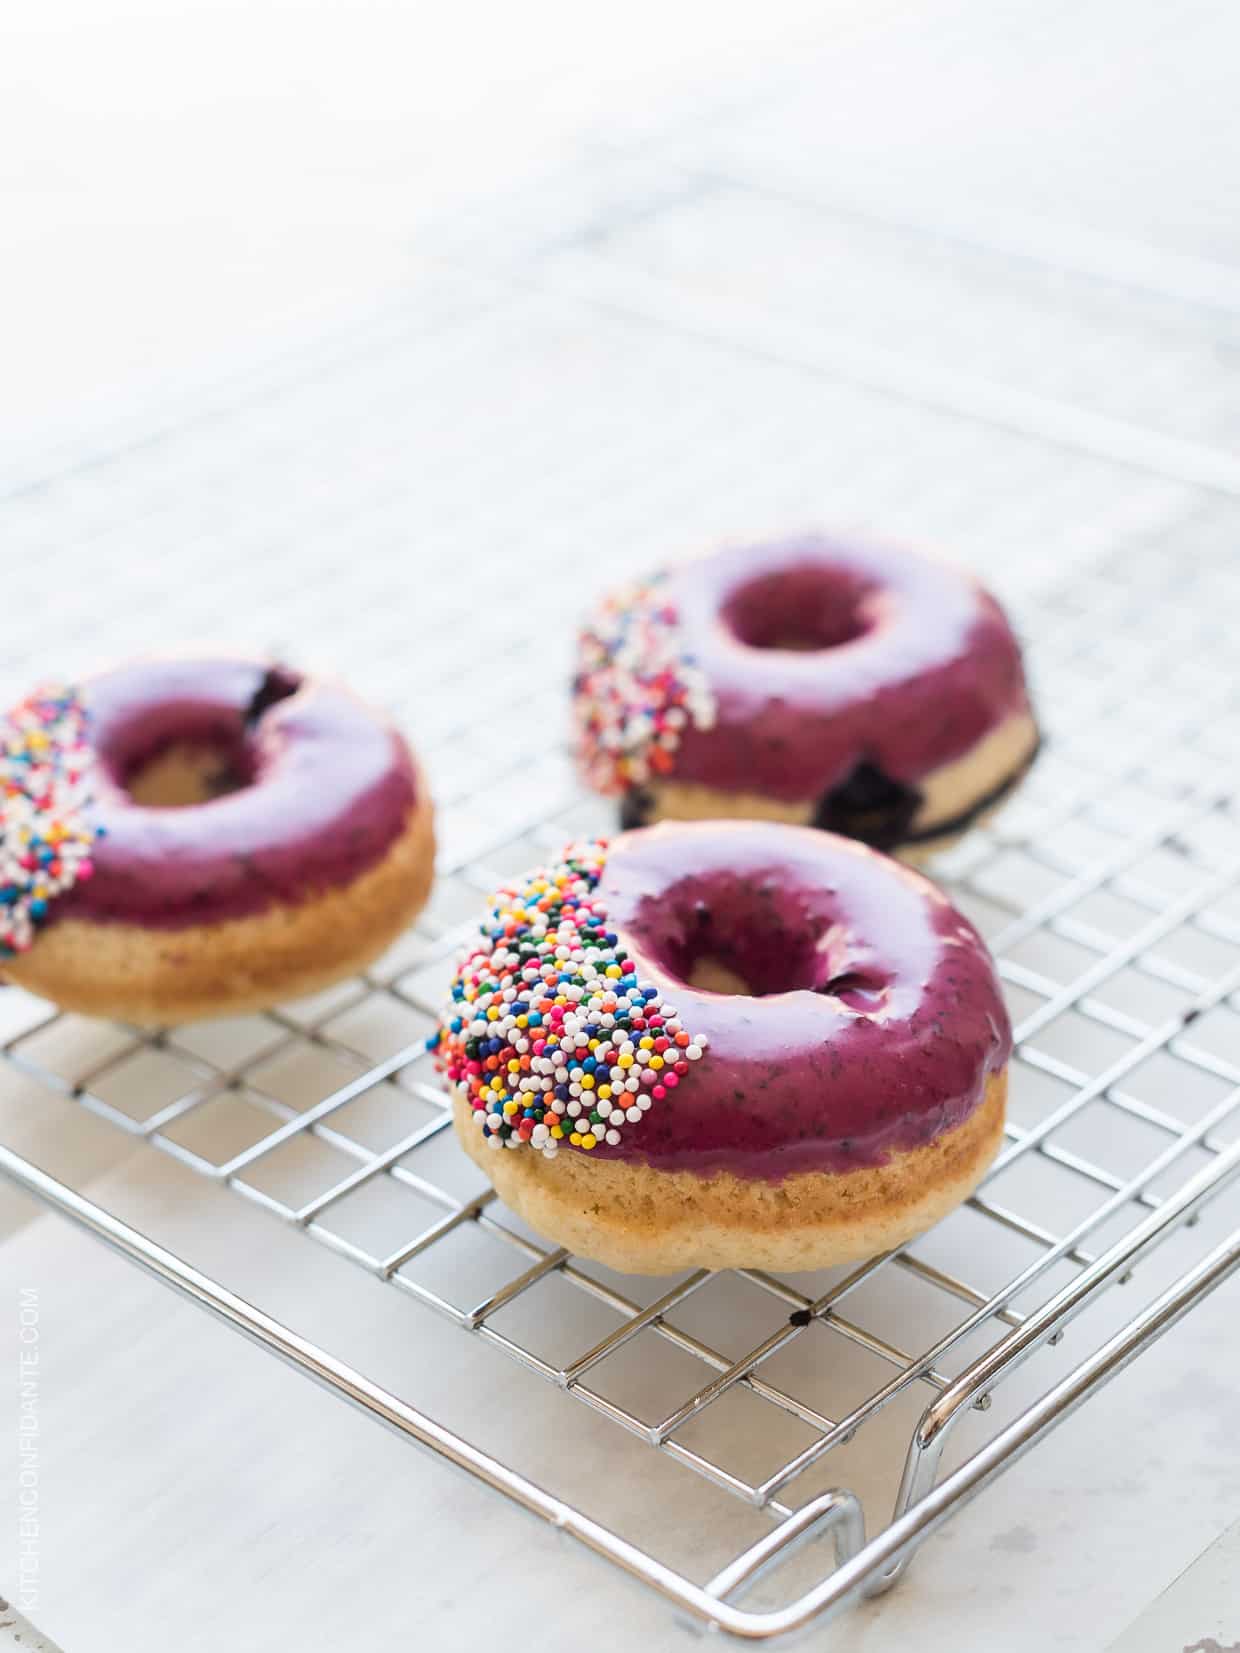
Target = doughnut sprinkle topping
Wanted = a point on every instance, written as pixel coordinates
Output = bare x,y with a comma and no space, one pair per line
46,766
549,1033
635,690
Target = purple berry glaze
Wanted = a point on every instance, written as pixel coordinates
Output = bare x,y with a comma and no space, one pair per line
895,661
879,1017
324,789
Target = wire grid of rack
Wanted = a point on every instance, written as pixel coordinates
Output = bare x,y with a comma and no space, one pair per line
1110,892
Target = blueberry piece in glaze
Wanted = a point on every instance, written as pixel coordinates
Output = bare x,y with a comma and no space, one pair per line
870,806
635,807
279,683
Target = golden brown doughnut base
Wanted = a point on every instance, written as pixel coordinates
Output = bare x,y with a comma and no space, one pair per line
995,764
242,964
642,1221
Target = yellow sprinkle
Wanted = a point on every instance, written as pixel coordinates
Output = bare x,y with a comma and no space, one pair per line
510,1107
614,971
557,1131
624,1061
656,1062
587,1081
604,1091
646,1044
575,1139
589,1140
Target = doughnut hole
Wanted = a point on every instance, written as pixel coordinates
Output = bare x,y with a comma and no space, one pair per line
750,938
180,756
184,773
802,610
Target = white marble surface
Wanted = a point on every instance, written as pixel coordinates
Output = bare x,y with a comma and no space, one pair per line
1199,1612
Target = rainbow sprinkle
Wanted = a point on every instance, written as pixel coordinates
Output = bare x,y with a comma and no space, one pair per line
550,1033
635,690
45,841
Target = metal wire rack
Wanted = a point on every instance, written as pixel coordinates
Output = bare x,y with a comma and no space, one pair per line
1109,890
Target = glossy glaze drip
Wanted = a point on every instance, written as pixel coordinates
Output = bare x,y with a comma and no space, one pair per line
882,1017
325,788
918,663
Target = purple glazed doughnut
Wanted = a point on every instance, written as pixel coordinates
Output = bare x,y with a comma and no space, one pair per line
727,1044
190,837
858,688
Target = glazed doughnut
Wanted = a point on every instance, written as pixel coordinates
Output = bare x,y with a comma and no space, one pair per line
192,837
727,1044
857,688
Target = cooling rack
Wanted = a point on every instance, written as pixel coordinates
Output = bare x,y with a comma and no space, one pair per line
1109,890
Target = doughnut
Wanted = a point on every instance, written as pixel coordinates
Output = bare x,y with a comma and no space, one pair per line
858,688
190,837
727,1044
